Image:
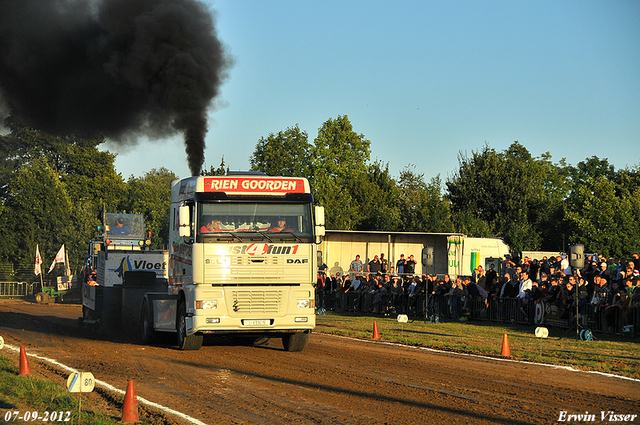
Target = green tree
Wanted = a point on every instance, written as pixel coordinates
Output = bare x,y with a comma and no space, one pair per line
91,182
628,179
378,199
89,175
503,192
423,208
605,218
602,209
557,187
36,210
222,170
340,159
591,169
150,195
285,153
84,176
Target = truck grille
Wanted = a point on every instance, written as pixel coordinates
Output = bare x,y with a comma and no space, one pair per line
248,261
256,301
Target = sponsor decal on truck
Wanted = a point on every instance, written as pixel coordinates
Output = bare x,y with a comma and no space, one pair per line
117,263
260,249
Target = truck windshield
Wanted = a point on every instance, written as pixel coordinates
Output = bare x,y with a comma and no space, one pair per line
124,226
255,217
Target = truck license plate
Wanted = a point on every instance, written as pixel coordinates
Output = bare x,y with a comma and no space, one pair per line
263,322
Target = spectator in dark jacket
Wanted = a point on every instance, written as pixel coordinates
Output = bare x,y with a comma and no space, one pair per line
553,293
475,290
490,276
510,287
455,298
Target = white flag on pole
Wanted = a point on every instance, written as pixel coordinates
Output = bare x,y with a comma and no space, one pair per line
59,258
38,268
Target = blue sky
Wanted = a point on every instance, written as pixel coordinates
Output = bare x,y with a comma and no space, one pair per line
424,80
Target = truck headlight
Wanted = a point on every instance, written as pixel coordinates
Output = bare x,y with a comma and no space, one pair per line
222,261
306,303
207,304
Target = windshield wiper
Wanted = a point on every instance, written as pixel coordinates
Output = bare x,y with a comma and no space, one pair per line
298,238
235,235
265,235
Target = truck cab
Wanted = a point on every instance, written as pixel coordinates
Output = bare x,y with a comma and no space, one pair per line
242,259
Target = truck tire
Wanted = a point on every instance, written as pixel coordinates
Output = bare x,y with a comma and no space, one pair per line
147,333
191,342
42,298
295,341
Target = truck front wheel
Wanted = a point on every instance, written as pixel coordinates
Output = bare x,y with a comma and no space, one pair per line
295,341
191,342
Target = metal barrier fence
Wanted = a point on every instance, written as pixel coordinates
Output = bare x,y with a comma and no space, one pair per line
11,273
598,318
18,289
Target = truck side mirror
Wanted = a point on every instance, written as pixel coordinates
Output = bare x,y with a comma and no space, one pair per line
319,216
319,230
184,221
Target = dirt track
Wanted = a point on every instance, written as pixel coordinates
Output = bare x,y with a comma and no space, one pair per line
335,380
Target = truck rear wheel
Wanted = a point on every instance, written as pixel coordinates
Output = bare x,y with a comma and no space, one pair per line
191,342
295,341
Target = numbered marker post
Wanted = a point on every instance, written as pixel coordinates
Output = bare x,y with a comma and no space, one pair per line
402,319
81,382
542,332
586,335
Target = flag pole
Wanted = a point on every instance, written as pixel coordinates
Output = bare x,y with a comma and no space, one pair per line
67,268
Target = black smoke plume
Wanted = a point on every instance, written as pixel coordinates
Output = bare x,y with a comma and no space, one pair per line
121,68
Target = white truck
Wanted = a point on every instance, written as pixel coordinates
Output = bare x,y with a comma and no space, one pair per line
243,261
466,254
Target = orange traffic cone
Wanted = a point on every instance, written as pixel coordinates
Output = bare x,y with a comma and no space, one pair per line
376,334
130,409
505,346
24,362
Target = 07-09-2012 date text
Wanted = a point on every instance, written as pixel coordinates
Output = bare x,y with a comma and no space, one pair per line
33,416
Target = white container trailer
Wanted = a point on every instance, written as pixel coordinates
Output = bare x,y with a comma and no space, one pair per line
435,253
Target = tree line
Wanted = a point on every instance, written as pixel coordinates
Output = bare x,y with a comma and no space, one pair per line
531,202
53,189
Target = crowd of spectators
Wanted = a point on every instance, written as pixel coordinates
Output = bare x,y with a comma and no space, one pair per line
604,290
377,287
374,287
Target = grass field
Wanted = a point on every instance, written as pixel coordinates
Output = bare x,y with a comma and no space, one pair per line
50,400
605,353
